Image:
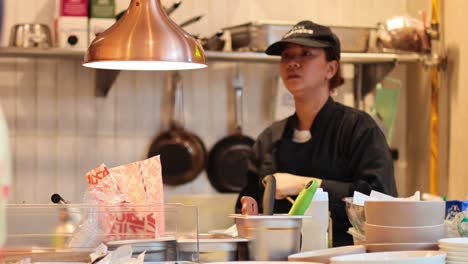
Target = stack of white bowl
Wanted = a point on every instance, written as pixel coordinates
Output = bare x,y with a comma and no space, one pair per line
403,225
456,249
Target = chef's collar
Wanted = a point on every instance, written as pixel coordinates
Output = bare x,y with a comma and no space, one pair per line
318,125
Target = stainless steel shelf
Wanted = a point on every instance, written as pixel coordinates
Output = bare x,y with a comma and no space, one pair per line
356,58
51,53
105,78
214,56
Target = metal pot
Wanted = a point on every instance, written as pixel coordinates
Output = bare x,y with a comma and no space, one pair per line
271,237
30,35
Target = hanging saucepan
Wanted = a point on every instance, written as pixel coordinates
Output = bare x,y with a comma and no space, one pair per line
227,161
183,154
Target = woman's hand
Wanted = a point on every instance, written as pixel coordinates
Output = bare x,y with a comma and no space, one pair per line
289,184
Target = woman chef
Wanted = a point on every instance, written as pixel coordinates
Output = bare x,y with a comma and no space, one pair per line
340,147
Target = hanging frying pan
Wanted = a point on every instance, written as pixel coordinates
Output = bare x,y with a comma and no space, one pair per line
227,161
183,154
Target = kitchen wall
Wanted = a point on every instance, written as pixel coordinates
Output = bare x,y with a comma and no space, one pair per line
60,130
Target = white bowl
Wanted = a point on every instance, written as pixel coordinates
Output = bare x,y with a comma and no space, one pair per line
324,255
462,252
395,257
382,247
455,242
405,213
397,234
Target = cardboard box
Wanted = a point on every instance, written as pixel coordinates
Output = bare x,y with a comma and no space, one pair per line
102,9
102,16
75,8
72,32
71,23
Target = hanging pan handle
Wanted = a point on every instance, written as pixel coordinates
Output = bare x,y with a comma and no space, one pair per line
177,117
237,84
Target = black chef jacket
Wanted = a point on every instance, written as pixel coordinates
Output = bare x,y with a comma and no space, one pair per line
347,151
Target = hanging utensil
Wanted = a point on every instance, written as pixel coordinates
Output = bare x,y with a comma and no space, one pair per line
169,10
173,7
183,153
57,199
227,161
190,21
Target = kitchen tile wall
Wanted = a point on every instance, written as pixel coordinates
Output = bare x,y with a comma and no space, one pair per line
60,130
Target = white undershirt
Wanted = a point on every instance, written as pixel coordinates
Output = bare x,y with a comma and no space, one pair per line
301,136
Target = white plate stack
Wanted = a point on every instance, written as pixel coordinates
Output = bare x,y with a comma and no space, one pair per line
394,257
456,249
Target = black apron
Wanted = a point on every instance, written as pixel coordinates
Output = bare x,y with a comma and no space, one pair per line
295,158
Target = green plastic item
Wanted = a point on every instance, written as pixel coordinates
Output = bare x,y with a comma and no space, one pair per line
386,104
304,198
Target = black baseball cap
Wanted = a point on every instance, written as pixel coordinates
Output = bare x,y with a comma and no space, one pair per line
309,34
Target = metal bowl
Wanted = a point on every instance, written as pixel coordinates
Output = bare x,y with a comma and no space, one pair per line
162,249
211,249
29,35
355,214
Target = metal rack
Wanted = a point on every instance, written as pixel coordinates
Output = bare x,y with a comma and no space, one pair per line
377,63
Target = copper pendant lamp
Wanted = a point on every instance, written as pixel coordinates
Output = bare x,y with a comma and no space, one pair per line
145,38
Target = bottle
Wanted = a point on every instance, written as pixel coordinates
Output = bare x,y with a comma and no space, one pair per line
330,230
5,174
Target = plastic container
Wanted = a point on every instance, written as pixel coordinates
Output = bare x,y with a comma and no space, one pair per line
99,224
314,229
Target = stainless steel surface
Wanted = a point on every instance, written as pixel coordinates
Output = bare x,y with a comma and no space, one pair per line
353,39
357,58
145,37
257,36
164,249
270,237
29,35
214,56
